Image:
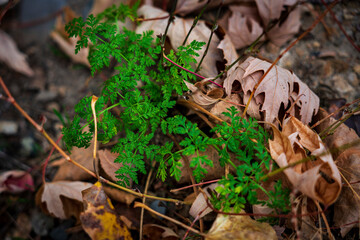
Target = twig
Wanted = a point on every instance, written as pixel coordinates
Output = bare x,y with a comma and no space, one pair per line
47,160
286,50
68,158
144,199
9,5
171,19
325,220
137,204
196,19
213,29
340,26
150,19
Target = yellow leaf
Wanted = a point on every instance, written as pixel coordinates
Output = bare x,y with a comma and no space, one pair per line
100,220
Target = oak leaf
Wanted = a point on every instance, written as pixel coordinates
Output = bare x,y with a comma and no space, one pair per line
280,86
61,199
99,220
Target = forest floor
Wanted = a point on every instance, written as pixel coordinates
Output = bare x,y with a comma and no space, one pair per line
325,60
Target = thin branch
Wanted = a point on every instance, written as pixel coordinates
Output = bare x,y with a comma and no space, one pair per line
137,204
286,50
171,19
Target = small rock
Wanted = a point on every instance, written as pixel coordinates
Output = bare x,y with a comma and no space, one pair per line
353,79
60,90
342,85
53,105
316,44
357,68
27,146
44,96
41,223
347,15
8,127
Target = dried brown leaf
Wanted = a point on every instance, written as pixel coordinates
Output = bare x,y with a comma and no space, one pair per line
16,181
200,208
119,195
11,56
320,179
278,87
239,227
269,9
243,29
61,198
107,163
229,51
157,232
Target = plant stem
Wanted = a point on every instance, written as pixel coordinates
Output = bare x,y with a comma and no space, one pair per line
171,19
196,19
213,29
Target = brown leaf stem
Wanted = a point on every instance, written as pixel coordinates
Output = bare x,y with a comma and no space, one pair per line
285,51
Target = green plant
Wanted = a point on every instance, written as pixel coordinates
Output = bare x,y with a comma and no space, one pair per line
146,89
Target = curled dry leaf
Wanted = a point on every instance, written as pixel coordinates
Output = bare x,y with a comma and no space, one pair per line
346,208
280,86
61,199
239,227
157,232
243,29
16,181
319,179
11,56
99,220
200,208
204,99
177,32
107,163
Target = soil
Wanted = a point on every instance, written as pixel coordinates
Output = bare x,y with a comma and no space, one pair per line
324,59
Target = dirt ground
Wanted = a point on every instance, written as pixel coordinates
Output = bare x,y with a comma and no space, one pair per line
324,59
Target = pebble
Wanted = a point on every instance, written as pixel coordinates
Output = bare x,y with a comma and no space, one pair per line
53,105
356,68
343,87
353,79
8,127
316,44
45,96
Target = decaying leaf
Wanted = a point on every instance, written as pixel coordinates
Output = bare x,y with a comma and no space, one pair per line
279,86
269,10
61,199
220,107
120,196
201,98
319,179
16,181
184,7
68,44
200,206
107,163
177,33
157,232
347,207
11,56
100,220
229,51
243,29
239,227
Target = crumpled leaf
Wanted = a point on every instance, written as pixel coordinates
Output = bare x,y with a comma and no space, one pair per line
16,181
11,56
243,29
99,220
177,32
239,227
319,179
280,86
61,198
157,232
68,44
200,206
107,163
204,99
346,208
